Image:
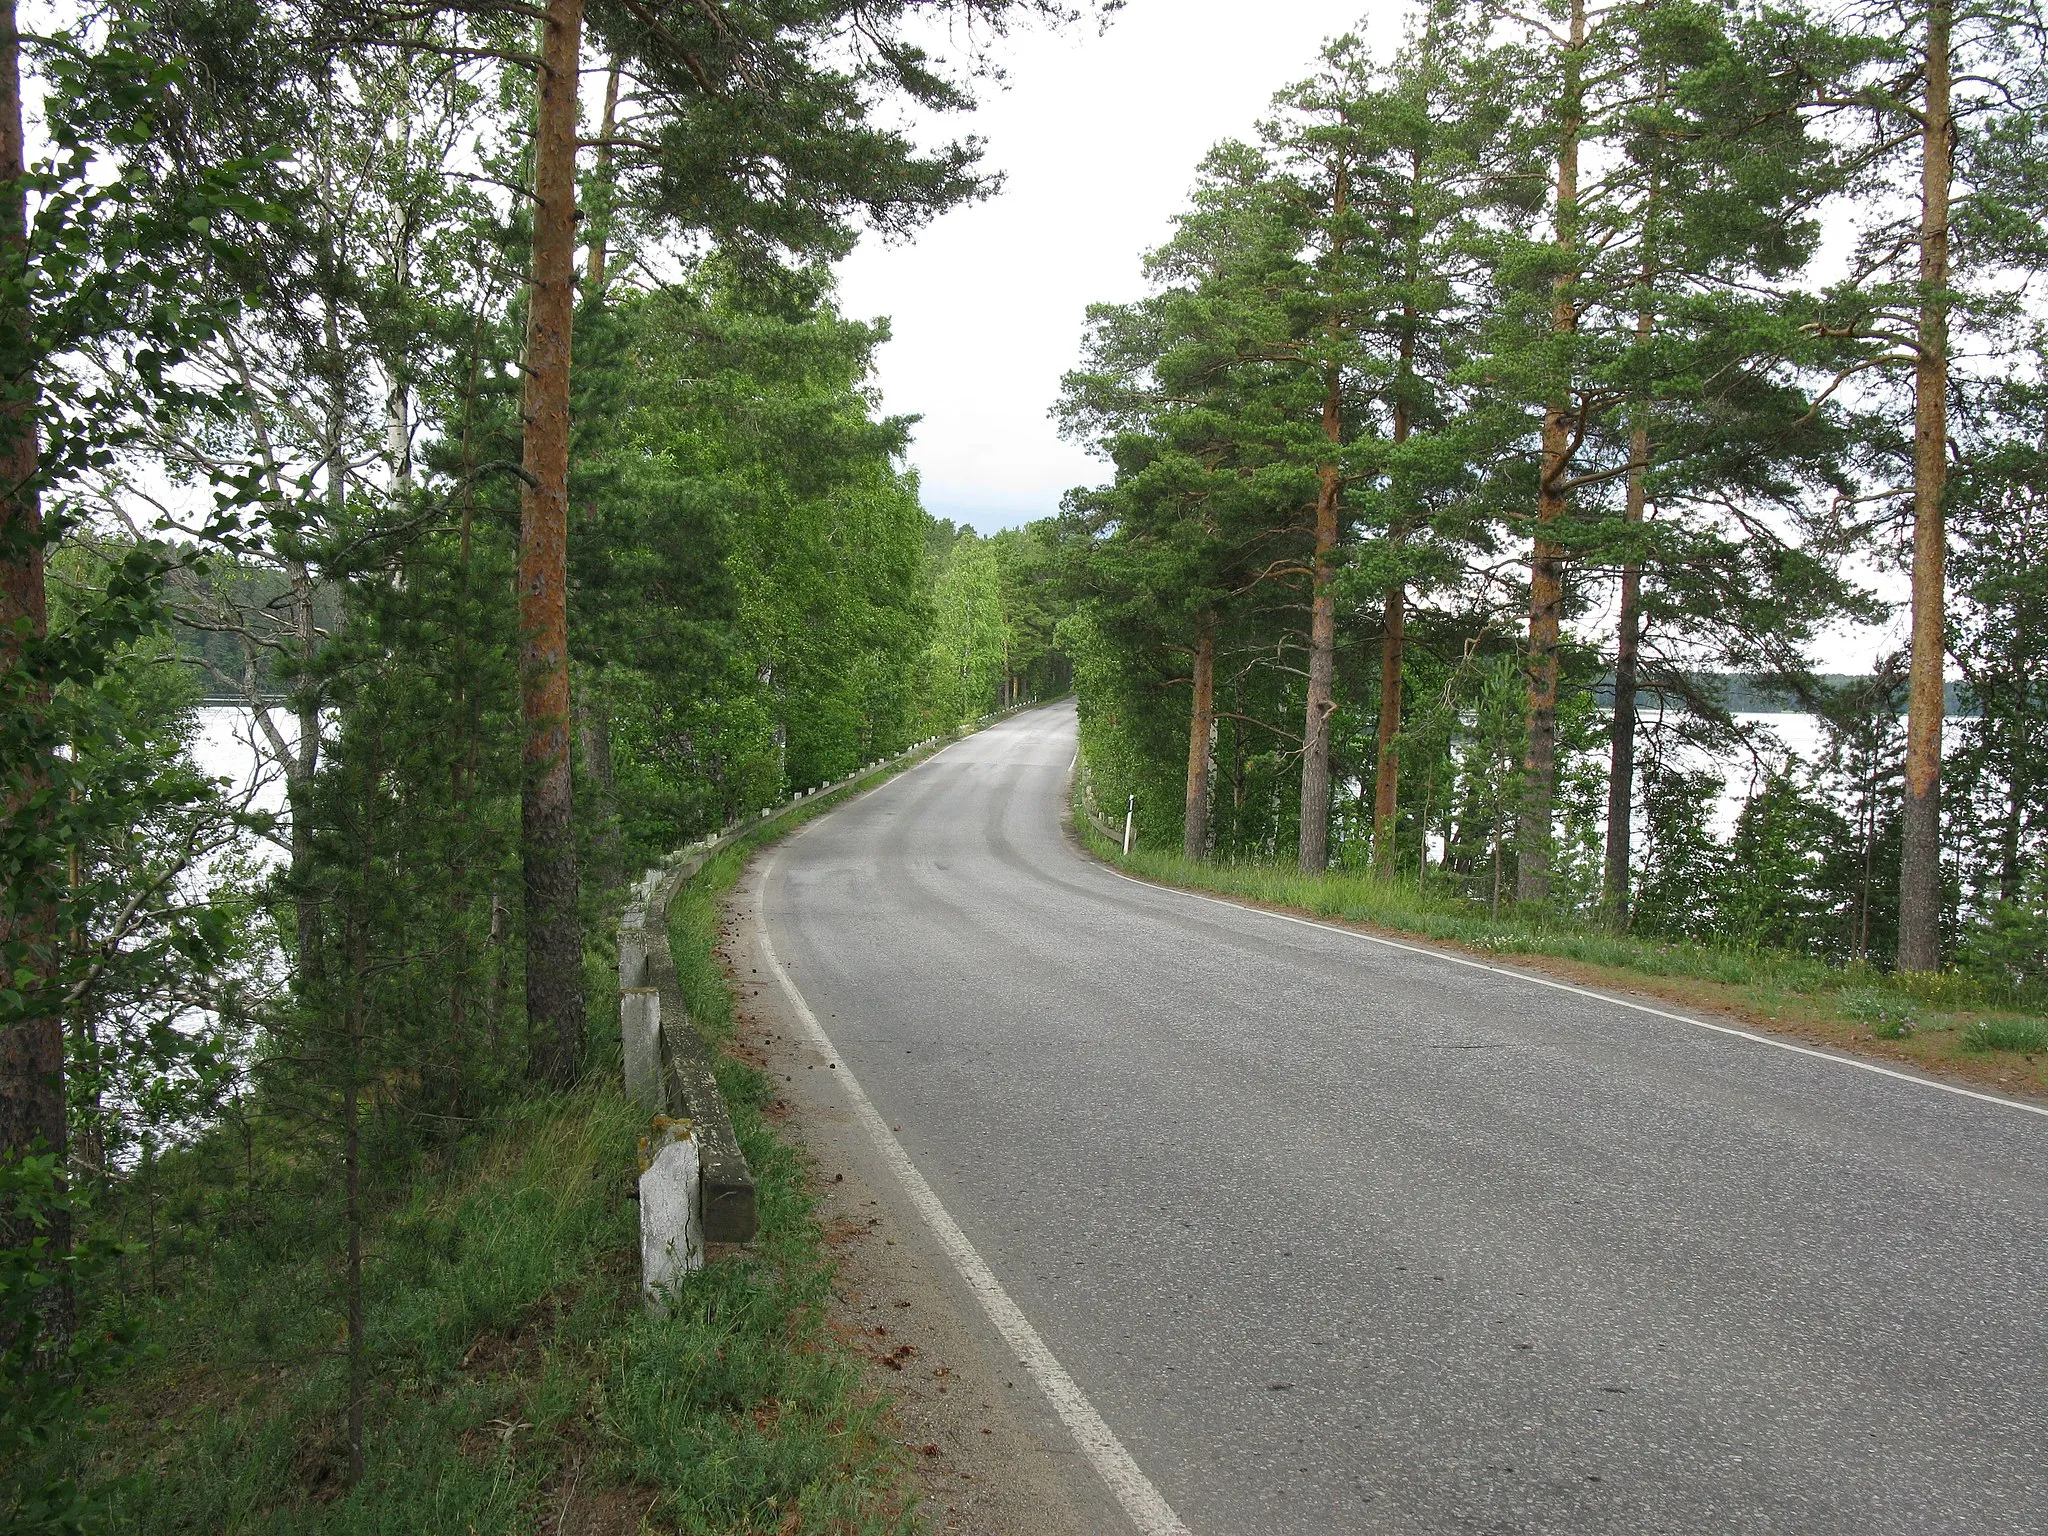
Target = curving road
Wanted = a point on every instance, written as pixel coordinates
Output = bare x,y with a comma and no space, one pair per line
1340,1237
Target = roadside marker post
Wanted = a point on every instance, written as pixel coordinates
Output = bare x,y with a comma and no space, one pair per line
1130,818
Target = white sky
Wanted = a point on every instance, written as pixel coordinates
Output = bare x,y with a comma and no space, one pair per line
1099,136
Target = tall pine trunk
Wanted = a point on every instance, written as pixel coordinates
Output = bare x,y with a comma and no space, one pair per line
31,1047
1201,725
1386,787
1920,849
1322,648
2018,786
554,941
1621,760
1546,557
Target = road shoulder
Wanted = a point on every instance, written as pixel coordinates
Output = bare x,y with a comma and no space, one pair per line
992,1457
1787,1016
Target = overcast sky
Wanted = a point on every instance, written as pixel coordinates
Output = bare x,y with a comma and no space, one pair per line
1098,136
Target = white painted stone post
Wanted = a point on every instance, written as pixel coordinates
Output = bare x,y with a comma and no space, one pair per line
671,1241
632,954
640,1033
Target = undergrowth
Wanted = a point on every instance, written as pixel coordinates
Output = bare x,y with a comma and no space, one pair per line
519,1384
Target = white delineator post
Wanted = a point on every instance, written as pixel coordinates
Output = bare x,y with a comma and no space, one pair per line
671,1243
1130,820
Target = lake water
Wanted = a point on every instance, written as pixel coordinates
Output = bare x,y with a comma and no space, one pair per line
227,748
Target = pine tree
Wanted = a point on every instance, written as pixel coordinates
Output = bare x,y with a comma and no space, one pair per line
1431,129
1998,636
1953,101
1634,337
751,130
1195,395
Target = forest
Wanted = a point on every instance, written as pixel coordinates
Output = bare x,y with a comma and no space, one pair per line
455,397
1515,410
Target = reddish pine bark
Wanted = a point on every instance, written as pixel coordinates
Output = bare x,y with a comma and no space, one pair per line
31,1049
1547,556
1926,703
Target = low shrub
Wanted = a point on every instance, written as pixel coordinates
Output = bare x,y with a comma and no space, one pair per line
1889,1017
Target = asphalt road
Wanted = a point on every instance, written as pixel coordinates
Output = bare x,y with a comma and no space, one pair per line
1340,1238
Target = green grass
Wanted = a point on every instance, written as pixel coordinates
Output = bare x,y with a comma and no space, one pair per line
233,1420
1889,1018
1773,984
514,1364
2007,1034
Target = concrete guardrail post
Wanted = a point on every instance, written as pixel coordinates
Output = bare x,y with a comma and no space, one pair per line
695,1186
640,1033
671,1237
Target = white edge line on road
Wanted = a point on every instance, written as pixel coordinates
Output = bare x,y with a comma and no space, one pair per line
1598,997
1133,1490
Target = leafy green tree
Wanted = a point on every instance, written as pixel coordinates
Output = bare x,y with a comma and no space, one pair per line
968,655
1196,397
1774,892
1859,775
1679,858
97,264
749,579
1034,600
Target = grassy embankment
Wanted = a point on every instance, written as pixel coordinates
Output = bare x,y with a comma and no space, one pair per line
519,1386
1947,1023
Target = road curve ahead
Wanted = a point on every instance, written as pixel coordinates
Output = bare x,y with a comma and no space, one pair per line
1341,1238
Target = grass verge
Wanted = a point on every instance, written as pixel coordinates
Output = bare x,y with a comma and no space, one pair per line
519,1385
1940,1023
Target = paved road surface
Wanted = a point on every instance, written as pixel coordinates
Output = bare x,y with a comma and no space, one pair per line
1339,1238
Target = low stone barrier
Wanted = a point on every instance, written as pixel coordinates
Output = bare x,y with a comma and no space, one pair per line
1094,812
695,1186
